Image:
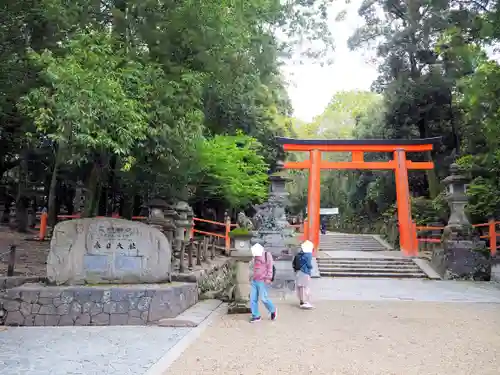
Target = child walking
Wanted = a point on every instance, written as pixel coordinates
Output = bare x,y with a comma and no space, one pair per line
302,264
261,275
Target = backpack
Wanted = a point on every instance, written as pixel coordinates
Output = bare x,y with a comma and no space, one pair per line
274,268
296,263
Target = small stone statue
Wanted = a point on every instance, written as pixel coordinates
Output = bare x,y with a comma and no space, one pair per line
244,222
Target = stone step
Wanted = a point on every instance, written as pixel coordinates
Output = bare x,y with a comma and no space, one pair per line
370,269
368,265
370,241
351,248
375,275
349,244
345,243
363,271
365,260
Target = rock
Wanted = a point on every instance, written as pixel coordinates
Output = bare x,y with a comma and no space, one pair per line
108,250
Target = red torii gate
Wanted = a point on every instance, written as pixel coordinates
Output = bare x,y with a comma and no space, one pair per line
357,148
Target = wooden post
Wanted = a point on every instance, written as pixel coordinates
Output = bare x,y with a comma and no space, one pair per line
198,253
191,234
213,247
313,198
181,256
414,237
205,249
227,238
43,226
492,229
403,204
12,260
190,254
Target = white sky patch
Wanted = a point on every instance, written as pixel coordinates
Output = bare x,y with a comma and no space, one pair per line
311,86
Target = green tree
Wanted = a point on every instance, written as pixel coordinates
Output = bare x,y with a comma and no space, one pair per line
233,170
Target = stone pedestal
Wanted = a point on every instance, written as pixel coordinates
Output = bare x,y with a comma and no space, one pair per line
241,303
462,255
462,260
242,243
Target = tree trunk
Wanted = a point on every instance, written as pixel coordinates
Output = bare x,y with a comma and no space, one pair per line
22,202
432,179
92,192
52,200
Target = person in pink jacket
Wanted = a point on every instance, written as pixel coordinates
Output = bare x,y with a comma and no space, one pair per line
261,275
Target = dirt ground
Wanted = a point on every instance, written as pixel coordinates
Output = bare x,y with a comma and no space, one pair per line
345,337
30,254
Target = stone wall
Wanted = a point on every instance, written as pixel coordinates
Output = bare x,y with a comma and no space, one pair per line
39,305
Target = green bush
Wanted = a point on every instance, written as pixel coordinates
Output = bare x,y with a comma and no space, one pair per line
240,232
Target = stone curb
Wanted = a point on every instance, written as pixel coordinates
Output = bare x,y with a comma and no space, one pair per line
427,269
163,364
383,242
193,316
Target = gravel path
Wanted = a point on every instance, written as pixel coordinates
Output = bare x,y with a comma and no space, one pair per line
353,337
84,350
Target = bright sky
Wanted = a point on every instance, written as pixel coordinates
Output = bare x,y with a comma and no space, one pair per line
311,86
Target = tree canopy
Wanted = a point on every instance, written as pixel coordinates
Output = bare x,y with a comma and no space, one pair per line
131,100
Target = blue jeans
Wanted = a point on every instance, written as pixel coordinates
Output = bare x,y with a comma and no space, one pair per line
259,289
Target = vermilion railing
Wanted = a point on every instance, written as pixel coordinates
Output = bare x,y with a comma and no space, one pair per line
225,235
492,235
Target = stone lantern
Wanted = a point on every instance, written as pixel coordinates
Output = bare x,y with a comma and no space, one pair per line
170,218
456,189
462,255
241,271
184,221
156,210
160,216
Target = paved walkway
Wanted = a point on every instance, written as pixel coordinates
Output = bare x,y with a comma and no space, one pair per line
84,350
360,326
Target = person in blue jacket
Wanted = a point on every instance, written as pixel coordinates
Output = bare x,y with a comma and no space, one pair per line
302,264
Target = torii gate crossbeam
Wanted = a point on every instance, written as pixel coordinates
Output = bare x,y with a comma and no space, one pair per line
400,164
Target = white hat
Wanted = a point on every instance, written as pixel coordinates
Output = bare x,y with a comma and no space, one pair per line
307,246
257,250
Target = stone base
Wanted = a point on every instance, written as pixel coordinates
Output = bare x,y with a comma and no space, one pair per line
39,305
462,260
285,276
276,243
239,308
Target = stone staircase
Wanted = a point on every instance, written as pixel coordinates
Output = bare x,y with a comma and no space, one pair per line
350,242
363,256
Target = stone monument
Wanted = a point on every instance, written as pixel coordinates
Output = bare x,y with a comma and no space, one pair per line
108,250
462,256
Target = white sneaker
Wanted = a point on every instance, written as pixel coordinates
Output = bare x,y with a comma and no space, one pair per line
307,306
